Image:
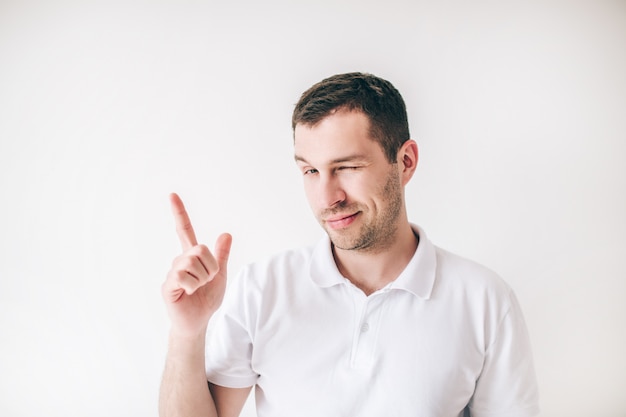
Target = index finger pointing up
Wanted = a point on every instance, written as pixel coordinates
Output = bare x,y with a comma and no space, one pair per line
184,228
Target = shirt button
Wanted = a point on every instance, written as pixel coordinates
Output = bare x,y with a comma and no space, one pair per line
365,327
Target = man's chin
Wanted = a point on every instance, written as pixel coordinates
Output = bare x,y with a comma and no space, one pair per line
344,242
339,239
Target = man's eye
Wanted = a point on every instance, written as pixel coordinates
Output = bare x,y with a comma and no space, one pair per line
310,171
348,168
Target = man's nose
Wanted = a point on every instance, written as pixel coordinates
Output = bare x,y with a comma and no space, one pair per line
331,192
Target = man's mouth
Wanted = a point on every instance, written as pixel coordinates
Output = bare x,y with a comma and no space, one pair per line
341,221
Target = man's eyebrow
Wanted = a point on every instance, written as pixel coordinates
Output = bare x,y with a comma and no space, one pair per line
348,158
298,158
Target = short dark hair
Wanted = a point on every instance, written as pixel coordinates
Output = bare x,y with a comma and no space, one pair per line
375,97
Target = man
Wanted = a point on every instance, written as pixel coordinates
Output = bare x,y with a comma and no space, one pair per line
372,321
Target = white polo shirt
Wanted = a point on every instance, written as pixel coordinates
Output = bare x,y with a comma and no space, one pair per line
445,334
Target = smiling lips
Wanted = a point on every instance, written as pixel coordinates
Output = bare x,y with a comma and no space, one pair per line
341,221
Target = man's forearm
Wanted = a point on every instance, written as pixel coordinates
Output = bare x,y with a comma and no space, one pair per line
184,388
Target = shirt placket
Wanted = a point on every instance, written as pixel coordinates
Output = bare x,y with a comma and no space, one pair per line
367,322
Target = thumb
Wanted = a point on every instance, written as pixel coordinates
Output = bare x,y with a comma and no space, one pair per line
222,250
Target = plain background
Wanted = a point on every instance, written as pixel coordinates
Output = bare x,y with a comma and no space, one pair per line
519,109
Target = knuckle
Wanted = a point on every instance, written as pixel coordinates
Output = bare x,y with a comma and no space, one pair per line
179,277
214,272
189,285
203,249
179,260
186,263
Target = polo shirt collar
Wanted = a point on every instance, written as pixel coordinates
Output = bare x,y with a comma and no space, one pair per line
417,278
323,269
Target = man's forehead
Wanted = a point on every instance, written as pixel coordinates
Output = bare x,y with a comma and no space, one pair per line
334,147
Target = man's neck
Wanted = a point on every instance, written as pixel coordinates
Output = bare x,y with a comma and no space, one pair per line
373,270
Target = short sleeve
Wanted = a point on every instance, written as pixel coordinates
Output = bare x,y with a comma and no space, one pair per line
229,342
507,386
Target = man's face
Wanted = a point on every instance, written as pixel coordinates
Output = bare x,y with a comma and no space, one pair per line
353,190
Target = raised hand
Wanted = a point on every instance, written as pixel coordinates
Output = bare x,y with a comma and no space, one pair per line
195,285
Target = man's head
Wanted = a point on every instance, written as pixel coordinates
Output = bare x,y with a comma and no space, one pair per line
354,170
376,98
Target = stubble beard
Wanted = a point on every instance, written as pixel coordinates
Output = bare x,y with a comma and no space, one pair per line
377,234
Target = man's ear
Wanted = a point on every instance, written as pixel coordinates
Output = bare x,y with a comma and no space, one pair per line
408,156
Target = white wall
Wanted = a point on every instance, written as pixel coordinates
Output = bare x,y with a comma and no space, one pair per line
519,109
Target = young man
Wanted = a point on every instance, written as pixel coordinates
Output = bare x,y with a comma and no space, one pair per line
372,321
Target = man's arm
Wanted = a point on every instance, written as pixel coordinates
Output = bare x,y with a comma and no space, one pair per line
184,389
192,292
229,401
